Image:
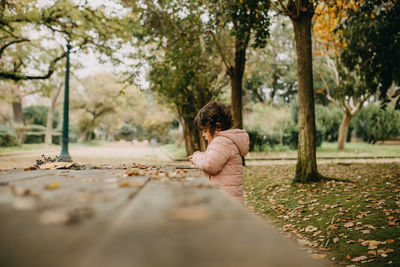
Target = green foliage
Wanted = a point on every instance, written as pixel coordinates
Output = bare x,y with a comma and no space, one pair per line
28,27
373,46
328,120
98,96
291,134
183,71
246,16
7,137
374,123
259,139
126,132
37,114
34,134
271,75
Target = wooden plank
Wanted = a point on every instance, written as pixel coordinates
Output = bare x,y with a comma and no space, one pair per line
94,199
178,224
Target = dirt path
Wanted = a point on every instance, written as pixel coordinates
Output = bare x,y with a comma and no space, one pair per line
113,153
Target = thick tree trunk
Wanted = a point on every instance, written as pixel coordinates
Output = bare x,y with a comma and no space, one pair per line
17,111
50,116
236,75
306,168
344,128
188,138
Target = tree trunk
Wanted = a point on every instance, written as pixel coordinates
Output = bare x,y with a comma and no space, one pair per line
202,141
49,126
344,128
85,136
306,168
50,116
187,137
236,76
17,111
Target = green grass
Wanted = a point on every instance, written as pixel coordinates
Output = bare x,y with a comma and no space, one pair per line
330,149
360,148
32,147
175,151
333,218
24,147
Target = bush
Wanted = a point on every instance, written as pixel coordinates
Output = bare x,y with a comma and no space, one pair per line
374,123
37,114
73,134
328,120
7,137
34,134
126,132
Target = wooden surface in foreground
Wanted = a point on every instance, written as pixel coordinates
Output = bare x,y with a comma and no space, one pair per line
131,216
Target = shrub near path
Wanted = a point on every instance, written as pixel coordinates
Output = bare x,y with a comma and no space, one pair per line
349,223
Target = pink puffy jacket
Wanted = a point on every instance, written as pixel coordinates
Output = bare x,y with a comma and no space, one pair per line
222,161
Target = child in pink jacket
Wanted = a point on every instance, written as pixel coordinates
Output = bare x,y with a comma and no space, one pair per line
222,161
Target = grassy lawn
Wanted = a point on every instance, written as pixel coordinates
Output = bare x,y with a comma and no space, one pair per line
345,223
330,149
25,147
175,151
32,147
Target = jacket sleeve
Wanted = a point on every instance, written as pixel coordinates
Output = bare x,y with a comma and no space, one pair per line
213,160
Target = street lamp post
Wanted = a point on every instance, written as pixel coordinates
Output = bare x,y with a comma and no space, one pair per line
64,156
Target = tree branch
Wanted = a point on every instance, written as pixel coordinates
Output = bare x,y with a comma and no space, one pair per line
328,93
11,43
285,9
17,77
226,63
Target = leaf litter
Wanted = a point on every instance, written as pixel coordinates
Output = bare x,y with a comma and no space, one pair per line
347,215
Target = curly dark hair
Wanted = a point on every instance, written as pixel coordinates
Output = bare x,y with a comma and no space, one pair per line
214,116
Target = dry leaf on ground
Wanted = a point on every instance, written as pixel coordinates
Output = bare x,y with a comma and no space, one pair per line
361,258
52,186
318,256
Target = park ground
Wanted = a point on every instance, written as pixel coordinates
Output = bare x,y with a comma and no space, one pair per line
351,222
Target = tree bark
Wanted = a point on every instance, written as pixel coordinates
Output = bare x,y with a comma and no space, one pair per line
187,137
236,75
344,128
17,111
306,168
50,116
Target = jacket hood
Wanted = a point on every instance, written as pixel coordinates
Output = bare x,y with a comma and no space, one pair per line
239,137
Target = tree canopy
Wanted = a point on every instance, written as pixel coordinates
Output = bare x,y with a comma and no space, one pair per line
33,33
372,34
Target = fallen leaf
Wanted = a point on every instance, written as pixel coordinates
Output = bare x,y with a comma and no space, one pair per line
374,243
124,184
348,256
348,225
57,165
303,242
318,256
189,214
388,250
335,240
361,258
384,255
372,252
310,228
365,231
390,241
52,186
